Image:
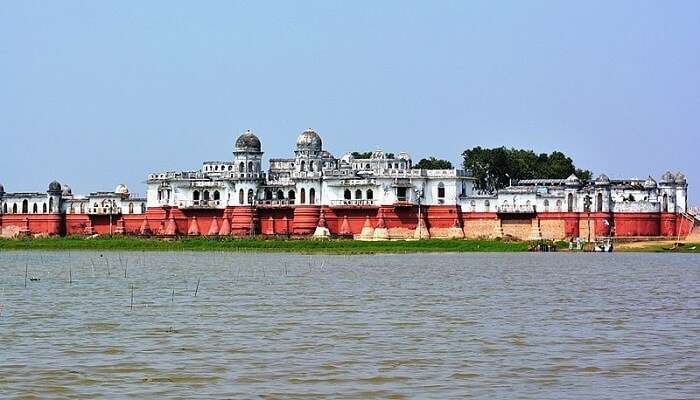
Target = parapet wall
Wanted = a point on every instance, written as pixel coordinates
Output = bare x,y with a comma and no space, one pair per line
394,222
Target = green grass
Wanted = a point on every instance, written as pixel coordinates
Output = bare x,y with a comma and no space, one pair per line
333,246
665,248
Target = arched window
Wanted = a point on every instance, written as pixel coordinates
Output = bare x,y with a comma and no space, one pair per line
4,208
358,194
312,196
35,209
370,194
205,195
302,167
268,194
472,204
570,203
347,195
241,167
302,197
14,208
195,195
251,194
546,205
131,208
241,196
664,203
280,195
82,208
367,166
487,205
230,167
143,208
25,206
217,195
441,191
311,166
291,196
251,167
599,202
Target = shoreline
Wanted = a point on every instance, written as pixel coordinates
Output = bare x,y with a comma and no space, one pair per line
311,246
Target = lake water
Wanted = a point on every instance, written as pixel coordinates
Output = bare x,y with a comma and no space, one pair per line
537,326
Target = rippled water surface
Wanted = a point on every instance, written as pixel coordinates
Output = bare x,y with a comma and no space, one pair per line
539,326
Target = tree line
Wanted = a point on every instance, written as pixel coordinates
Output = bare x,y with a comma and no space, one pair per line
495,168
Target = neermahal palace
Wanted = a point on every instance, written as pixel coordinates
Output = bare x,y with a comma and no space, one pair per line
382,197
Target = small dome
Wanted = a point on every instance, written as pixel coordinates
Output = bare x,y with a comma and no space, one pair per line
326,154
347,158
309,140
247,141
650,183
66,190
121,189
667,177
403,156
680,178
602,179
54,187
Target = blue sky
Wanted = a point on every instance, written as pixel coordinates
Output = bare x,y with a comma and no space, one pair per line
99,93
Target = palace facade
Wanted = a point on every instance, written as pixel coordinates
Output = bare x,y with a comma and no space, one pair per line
375,198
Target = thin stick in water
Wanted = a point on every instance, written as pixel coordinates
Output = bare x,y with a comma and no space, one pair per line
131,306
26,271
172,296
70,275
197,288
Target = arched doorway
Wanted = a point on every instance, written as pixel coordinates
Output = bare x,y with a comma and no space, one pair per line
312,196
599,202
570,202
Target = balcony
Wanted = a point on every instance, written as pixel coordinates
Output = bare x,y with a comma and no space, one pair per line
104,210
353,203
199,203
523,209
272,203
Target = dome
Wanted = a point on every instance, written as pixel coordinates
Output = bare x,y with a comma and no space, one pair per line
347,158
247,141
121,189
326,154
572,180
667,177
309,140
680,178
602,179
54,187
66,190
403,156
650,183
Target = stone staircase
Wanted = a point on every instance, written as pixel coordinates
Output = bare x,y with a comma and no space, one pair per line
694,235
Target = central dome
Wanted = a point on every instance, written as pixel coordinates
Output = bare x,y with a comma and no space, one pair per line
248,142
309,140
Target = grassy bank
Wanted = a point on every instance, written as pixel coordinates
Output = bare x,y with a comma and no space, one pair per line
260,244
669,246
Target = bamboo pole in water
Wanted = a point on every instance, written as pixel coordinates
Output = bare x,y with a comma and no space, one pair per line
197,288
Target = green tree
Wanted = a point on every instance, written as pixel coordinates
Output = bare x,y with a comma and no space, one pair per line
432,163
495,168
363,155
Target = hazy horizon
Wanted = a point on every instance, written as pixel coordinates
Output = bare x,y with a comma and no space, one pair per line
96,94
